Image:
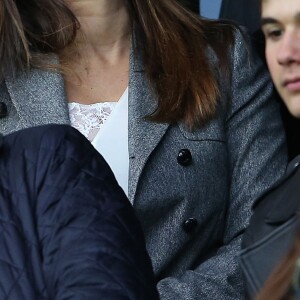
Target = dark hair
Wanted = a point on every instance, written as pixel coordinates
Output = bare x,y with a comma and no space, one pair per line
279,284
173,42
31,29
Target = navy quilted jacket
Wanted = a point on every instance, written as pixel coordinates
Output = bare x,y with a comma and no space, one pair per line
67,230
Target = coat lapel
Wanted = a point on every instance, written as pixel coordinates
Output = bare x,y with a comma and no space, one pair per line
39,97
143,135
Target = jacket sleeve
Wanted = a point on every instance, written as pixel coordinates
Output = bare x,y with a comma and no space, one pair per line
256,159
91,243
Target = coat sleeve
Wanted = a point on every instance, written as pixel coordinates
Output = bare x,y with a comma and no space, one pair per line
90,241
256,159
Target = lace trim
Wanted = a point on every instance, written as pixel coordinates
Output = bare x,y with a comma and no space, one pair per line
89,119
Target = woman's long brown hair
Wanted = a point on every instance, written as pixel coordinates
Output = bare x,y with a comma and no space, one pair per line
172,41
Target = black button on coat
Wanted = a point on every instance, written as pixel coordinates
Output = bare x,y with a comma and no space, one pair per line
184,157
3,110
190,225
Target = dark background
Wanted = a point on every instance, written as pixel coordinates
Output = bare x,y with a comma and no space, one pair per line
191,4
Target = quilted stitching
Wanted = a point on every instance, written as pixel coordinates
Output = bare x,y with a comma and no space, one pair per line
58,196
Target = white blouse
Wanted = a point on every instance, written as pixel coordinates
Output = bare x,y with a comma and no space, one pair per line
106,126
89,119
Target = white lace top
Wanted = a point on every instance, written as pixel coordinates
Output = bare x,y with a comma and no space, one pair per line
106,126
89,119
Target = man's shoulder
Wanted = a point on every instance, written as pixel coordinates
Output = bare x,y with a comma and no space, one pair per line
272,229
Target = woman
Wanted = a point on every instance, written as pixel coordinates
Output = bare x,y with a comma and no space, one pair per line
67,230
186,138
275,222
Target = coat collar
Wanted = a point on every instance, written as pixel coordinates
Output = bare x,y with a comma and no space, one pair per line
144,135
39,97
280,202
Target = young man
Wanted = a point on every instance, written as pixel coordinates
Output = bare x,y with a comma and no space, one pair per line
281,27
276,220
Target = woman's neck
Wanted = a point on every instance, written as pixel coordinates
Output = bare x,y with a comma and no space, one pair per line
98,60
104,28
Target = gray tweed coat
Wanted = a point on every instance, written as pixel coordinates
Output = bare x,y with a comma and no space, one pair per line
193,206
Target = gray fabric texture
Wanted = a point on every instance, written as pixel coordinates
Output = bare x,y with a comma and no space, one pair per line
235,158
